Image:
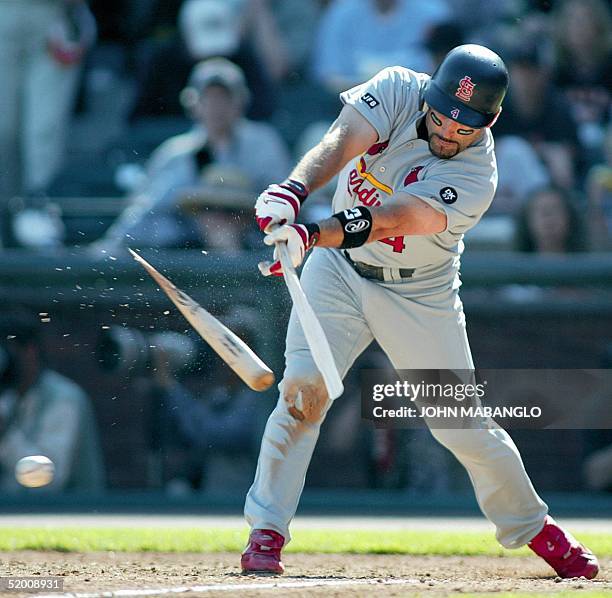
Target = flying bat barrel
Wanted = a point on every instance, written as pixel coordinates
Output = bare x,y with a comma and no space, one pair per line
233,350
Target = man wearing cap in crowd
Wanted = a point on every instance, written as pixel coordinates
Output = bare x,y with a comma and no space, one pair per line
537,112
243,31
249,153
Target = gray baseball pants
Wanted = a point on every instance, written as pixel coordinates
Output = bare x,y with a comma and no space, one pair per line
426,332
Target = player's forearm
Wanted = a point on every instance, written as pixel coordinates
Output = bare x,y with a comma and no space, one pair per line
411,217
331,234
323,161
350,135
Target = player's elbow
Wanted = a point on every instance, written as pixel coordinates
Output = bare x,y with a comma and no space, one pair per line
414,217
437,223
424,219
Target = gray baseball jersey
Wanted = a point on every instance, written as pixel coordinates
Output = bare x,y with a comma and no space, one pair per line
400,163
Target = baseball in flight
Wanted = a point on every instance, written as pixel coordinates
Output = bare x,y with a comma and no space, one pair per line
34,471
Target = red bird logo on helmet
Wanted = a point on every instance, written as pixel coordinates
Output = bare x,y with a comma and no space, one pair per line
466,89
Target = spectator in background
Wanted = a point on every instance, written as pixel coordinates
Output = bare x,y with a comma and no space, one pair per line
44,413
599,193
441,39
583,68
516,155
297,22
243,31
480,17
219,427
597,466
222,138
357,38
549,223
42,45
535,110
134,20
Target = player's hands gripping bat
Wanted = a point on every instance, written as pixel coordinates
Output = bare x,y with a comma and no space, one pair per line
279,204
292,243
297,240
234,351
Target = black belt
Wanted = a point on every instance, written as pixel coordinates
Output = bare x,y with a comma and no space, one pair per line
375,272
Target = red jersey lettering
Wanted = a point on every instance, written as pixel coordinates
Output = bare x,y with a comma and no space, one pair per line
356,186
396,242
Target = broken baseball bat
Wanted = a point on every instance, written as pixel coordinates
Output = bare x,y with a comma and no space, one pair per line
233,350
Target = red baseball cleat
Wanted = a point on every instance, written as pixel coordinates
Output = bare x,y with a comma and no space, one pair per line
263,553
563,552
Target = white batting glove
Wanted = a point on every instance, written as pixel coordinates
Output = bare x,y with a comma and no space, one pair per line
299,239
279,204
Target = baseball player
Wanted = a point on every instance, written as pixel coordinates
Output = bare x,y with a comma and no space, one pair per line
417,170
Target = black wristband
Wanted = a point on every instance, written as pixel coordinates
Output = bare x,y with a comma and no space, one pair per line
356,225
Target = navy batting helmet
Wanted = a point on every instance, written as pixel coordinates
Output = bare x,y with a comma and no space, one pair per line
469,86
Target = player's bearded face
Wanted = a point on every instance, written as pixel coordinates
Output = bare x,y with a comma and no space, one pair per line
447,137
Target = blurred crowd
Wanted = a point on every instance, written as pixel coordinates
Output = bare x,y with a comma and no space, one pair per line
156,123
43,412
156,409
179,417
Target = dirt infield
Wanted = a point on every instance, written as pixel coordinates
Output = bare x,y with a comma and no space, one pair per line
307,575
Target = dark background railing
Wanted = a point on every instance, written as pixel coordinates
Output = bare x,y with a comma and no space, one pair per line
522,312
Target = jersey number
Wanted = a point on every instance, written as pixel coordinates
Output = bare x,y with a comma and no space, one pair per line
396,242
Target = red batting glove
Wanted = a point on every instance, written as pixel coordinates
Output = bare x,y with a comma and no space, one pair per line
299,239
279,204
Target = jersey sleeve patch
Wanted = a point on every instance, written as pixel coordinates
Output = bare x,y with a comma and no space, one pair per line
448,195
412,176
370,100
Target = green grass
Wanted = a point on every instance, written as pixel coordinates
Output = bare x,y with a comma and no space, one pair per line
422,542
